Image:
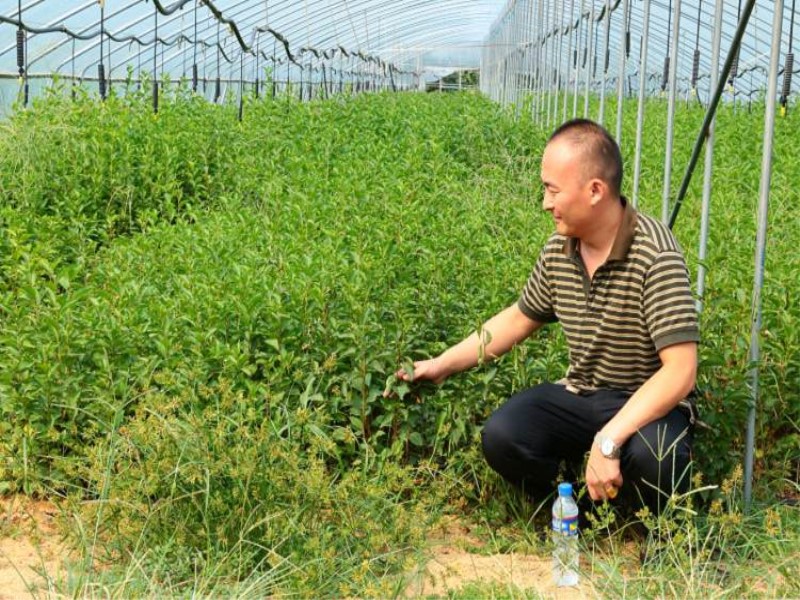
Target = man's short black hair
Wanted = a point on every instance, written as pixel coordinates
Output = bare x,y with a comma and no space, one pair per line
603,158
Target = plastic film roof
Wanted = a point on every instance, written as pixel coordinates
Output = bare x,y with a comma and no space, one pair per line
66,37
241,37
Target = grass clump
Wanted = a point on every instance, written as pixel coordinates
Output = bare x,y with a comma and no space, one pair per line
201,487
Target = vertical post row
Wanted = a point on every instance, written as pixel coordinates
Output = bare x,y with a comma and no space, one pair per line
673,86
761,243
709,159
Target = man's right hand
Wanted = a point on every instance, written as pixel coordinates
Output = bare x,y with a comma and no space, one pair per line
496,337
425,370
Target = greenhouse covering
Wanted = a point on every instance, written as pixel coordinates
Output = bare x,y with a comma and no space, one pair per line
519,45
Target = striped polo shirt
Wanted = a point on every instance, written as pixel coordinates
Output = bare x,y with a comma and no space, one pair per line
638,302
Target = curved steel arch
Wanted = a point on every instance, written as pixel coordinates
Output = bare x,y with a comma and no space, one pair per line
317,26
322,23
420,25
241,16
209,26
86,33
34,3
113,36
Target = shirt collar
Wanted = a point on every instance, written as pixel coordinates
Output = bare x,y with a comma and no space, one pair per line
623,241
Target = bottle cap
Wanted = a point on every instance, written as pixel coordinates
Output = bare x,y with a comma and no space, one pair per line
565,489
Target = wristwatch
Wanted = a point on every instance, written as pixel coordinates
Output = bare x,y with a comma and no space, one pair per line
608,448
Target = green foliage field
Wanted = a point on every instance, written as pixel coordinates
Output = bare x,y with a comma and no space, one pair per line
200,316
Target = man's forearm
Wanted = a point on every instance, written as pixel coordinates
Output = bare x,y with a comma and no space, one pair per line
659,394
496,337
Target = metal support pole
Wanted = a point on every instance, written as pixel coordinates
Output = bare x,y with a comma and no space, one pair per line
517,61
530,57
503,83
673,86
602,111
155,61
623,49
637,161
241,86
547,65
559,40
528,40
512,59
569,57
761,243
577,62
538,63
501,66
421,80
589,57
709,161
496,71
522,49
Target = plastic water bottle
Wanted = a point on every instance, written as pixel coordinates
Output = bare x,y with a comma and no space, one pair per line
565,536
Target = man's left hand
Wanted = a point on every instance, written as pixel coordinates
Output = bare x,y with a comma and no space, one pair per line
603,475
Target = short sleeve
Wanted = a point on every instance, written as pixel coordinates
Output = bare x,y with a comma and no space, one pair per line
536,301
669,307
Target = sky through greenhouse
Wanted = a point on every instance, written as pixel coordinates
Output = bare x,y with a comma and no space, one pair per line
398,43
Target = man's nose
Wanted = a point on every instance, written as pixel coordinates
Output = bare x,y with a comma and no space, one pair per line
547,203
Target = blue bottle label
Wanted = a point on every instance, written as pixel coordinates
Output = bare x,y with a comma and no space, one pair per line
566,526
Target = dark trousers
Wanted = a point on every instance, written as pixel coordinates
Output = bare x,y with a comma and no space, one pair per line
527,438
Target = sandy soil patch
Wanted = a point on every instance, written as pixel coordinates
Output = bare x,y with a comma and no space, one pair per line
451,568
30,548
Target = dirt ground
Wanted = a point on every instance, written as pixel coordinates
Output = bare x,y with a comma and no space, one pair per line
32,555
451,567
30,547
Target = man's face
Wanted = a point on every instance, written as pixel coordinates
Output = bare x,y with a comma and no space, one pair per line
567,192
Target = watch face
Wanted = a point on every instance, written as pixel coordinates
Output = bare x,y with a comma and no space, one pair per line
608,447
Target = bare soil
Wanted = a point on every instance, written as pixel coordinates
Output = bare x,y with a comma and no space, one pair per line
454,564
31,551
32,556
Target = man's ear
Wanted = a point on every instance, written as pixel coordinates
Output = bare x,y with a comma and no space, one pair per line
597,190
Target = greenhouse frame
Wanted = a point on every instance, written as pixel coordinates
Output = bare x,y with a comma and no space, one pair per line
542,62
